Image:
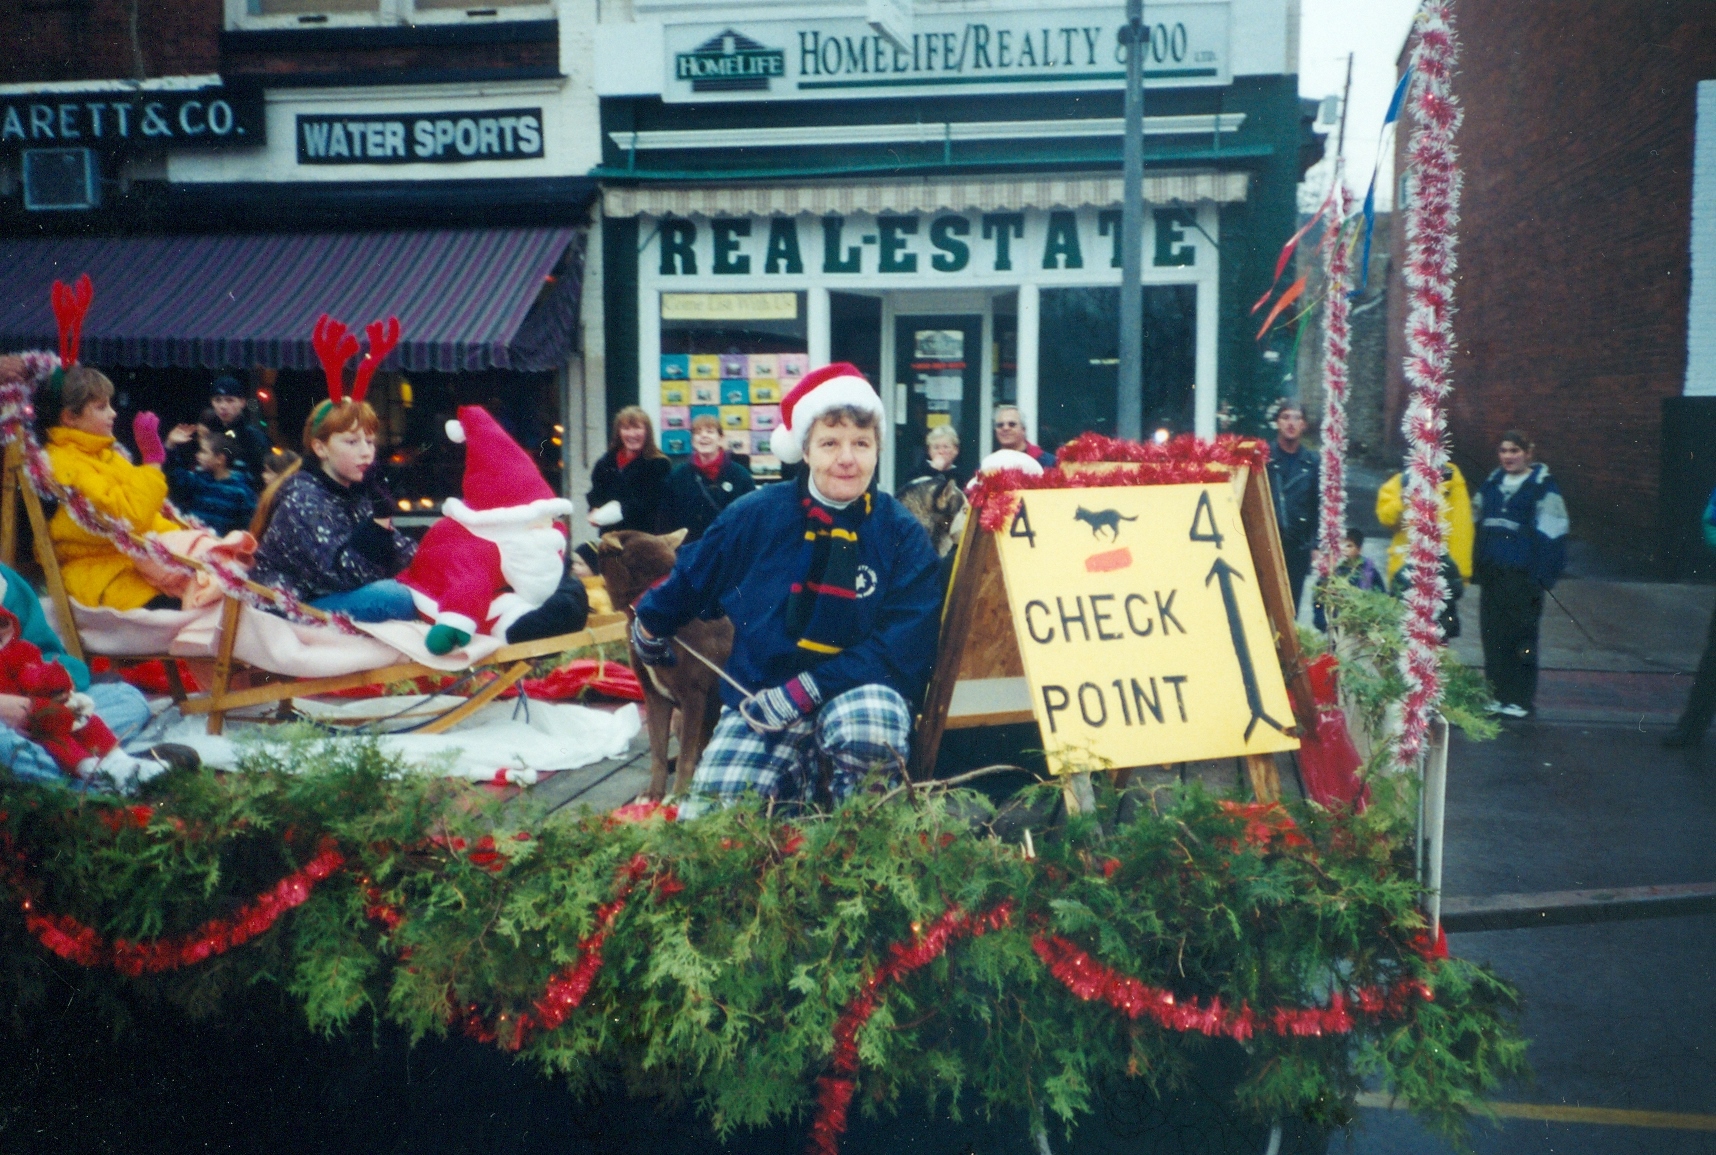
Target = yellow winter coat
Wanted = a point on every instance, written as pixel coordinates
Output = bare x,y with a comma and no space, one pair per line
95,572
1456,521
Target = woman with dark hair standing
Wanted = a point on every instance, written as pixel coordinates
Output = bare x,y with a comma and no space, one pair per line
628,486
1521,548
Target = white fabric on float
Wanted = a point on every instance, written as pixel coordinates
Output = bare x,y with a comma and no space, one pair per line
555,736
265,641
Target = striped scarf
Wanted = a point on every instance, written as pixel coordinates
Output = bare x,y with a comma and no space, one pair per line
821,610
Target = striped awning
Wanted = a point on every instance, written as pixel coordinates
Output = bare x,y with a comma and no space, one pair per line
467,299
1070,191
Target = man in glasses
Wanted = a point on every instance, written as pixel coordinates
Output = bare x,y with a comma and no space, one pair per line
1010,434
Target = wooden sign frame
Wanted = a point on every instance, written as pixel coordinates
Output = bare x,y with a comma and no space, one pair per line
979,677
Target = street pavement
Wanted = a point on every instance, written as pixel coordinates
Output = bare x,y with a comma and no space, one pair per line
1621,1015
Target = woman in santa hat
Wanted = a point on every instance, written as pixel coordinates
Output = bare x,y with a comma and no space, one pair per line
831,587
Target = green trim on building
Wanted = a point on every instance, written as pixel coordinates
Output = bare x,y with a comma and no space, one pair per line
620,310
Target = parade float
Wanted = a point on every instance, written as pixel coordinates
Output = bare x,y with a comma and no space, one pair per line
924,947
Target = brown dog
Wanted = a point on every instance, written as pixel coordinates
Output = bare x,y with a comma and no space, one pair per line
631,563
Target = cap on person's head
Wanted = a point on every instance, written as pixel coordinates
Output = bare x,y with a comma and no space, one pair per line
228,386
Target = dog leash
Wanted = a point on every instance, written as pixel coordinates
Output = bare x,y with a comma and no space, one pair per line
759,726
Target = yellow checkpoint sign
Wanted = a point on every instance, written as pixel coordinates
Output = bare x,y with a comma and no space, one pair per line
1142,630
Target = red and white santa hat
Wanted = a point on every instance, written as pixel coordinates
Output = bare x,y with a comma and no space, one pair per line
817,392
502,485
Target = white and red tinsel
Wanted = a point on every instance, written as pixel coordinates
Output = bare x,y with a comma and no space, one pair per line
1337,343
1432,211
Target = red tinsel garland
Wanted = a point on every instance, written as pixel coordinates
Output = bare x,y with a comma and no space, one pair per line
1432,211
1183,460
1093,982
834,1091
70,939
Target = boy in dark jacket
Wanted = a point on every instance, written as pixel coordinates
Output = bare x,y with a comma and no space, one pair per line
216,492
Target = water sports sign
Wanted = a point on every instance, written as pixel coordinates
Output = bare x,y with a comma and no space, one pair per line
1141,628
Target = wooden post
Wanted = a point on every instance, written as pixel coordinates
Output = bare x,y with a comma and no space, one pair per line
229,623
976,552
9,504
1265,779
1257,515
51,570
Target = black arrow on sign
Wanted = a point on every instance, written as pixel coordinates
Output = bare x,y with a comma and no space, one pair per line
1253,694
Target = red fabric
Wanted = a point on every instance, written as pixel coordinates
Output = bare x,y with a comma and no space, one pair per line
151,676
624,457
810,381
459,571
711,468
42,679
1328,760
498,474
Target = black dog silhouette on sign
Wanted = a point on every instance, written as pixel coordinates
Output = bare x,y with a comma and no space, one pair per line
1102,519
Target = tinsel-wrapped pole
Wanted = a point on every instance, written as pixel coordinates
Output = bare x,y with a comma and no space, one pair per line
1337,344
1433,200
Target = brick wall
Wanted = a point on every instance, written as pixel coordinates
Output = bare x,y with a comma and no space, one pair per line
48,40
1573,247
403,58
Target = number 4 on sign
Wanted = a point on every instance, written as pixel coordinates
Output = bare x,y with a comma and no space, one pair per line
1204,522
1021,526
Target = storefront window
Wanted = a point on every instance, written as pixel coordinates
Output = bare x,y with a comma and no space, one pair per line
1079,360
730,356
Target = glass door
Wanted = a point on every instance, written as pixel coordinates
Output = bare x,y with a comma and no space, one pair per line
939,360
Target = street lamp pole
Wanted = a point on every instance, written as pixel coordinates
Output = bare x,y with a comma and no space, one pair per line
1130,414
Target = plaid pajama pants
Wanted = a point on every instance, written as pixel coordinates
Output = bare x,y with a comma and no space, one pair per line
866,728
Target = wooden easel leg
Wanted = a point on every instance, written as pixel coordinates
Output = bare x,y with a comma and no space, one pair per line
1265,781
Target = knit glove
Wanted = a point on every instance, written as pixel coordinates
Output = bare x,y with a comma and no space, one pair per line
781,706
653,651
146,428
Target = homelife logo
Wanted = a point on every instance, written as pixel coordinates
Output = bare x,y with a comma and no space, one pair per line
730,62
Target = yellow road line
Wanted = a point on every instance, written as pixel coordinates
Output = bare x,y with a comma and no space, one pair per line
1557,1113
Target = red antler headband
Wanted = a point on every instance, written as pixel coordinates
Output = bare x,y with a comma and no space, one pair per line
71,306
383,337
334,347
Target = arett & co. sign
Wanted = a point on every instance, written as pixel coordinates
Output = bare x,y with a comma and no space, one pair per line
1042,50
119,121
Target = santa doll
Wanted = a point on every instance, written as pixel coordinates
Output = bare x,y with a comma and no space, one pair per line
60,720
496,562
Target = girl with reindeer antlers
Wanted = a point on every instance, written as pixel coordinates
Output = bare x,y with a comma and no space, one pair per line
77,407
331,541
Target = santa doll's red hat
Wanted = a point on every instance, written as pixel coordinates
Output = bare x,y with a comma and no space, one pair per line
502,485
820,391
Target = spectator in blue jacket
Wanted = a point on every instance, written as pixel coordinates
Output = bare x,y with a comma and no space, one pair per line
1701,703
832,590
1521,548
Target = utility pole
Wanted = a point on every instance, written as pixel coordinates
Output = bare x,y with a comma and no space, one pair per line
1341,136
1130,412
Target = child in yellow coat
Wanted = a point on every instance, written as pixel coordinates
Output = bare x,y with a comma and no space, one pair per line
82,453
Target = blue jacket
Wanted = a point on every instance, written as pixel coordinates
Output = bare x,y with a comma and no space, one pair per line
1527,531
738,565
223,506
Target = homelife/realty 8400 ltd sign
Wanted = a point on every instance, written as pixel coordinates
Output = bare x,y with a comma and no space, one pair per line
1141,626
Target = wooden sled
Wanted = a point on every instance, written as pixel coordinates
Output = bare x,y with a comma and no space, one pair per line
509,664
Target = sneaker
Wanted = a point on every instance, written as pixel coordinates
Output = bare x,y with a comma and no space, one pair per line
1509,710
